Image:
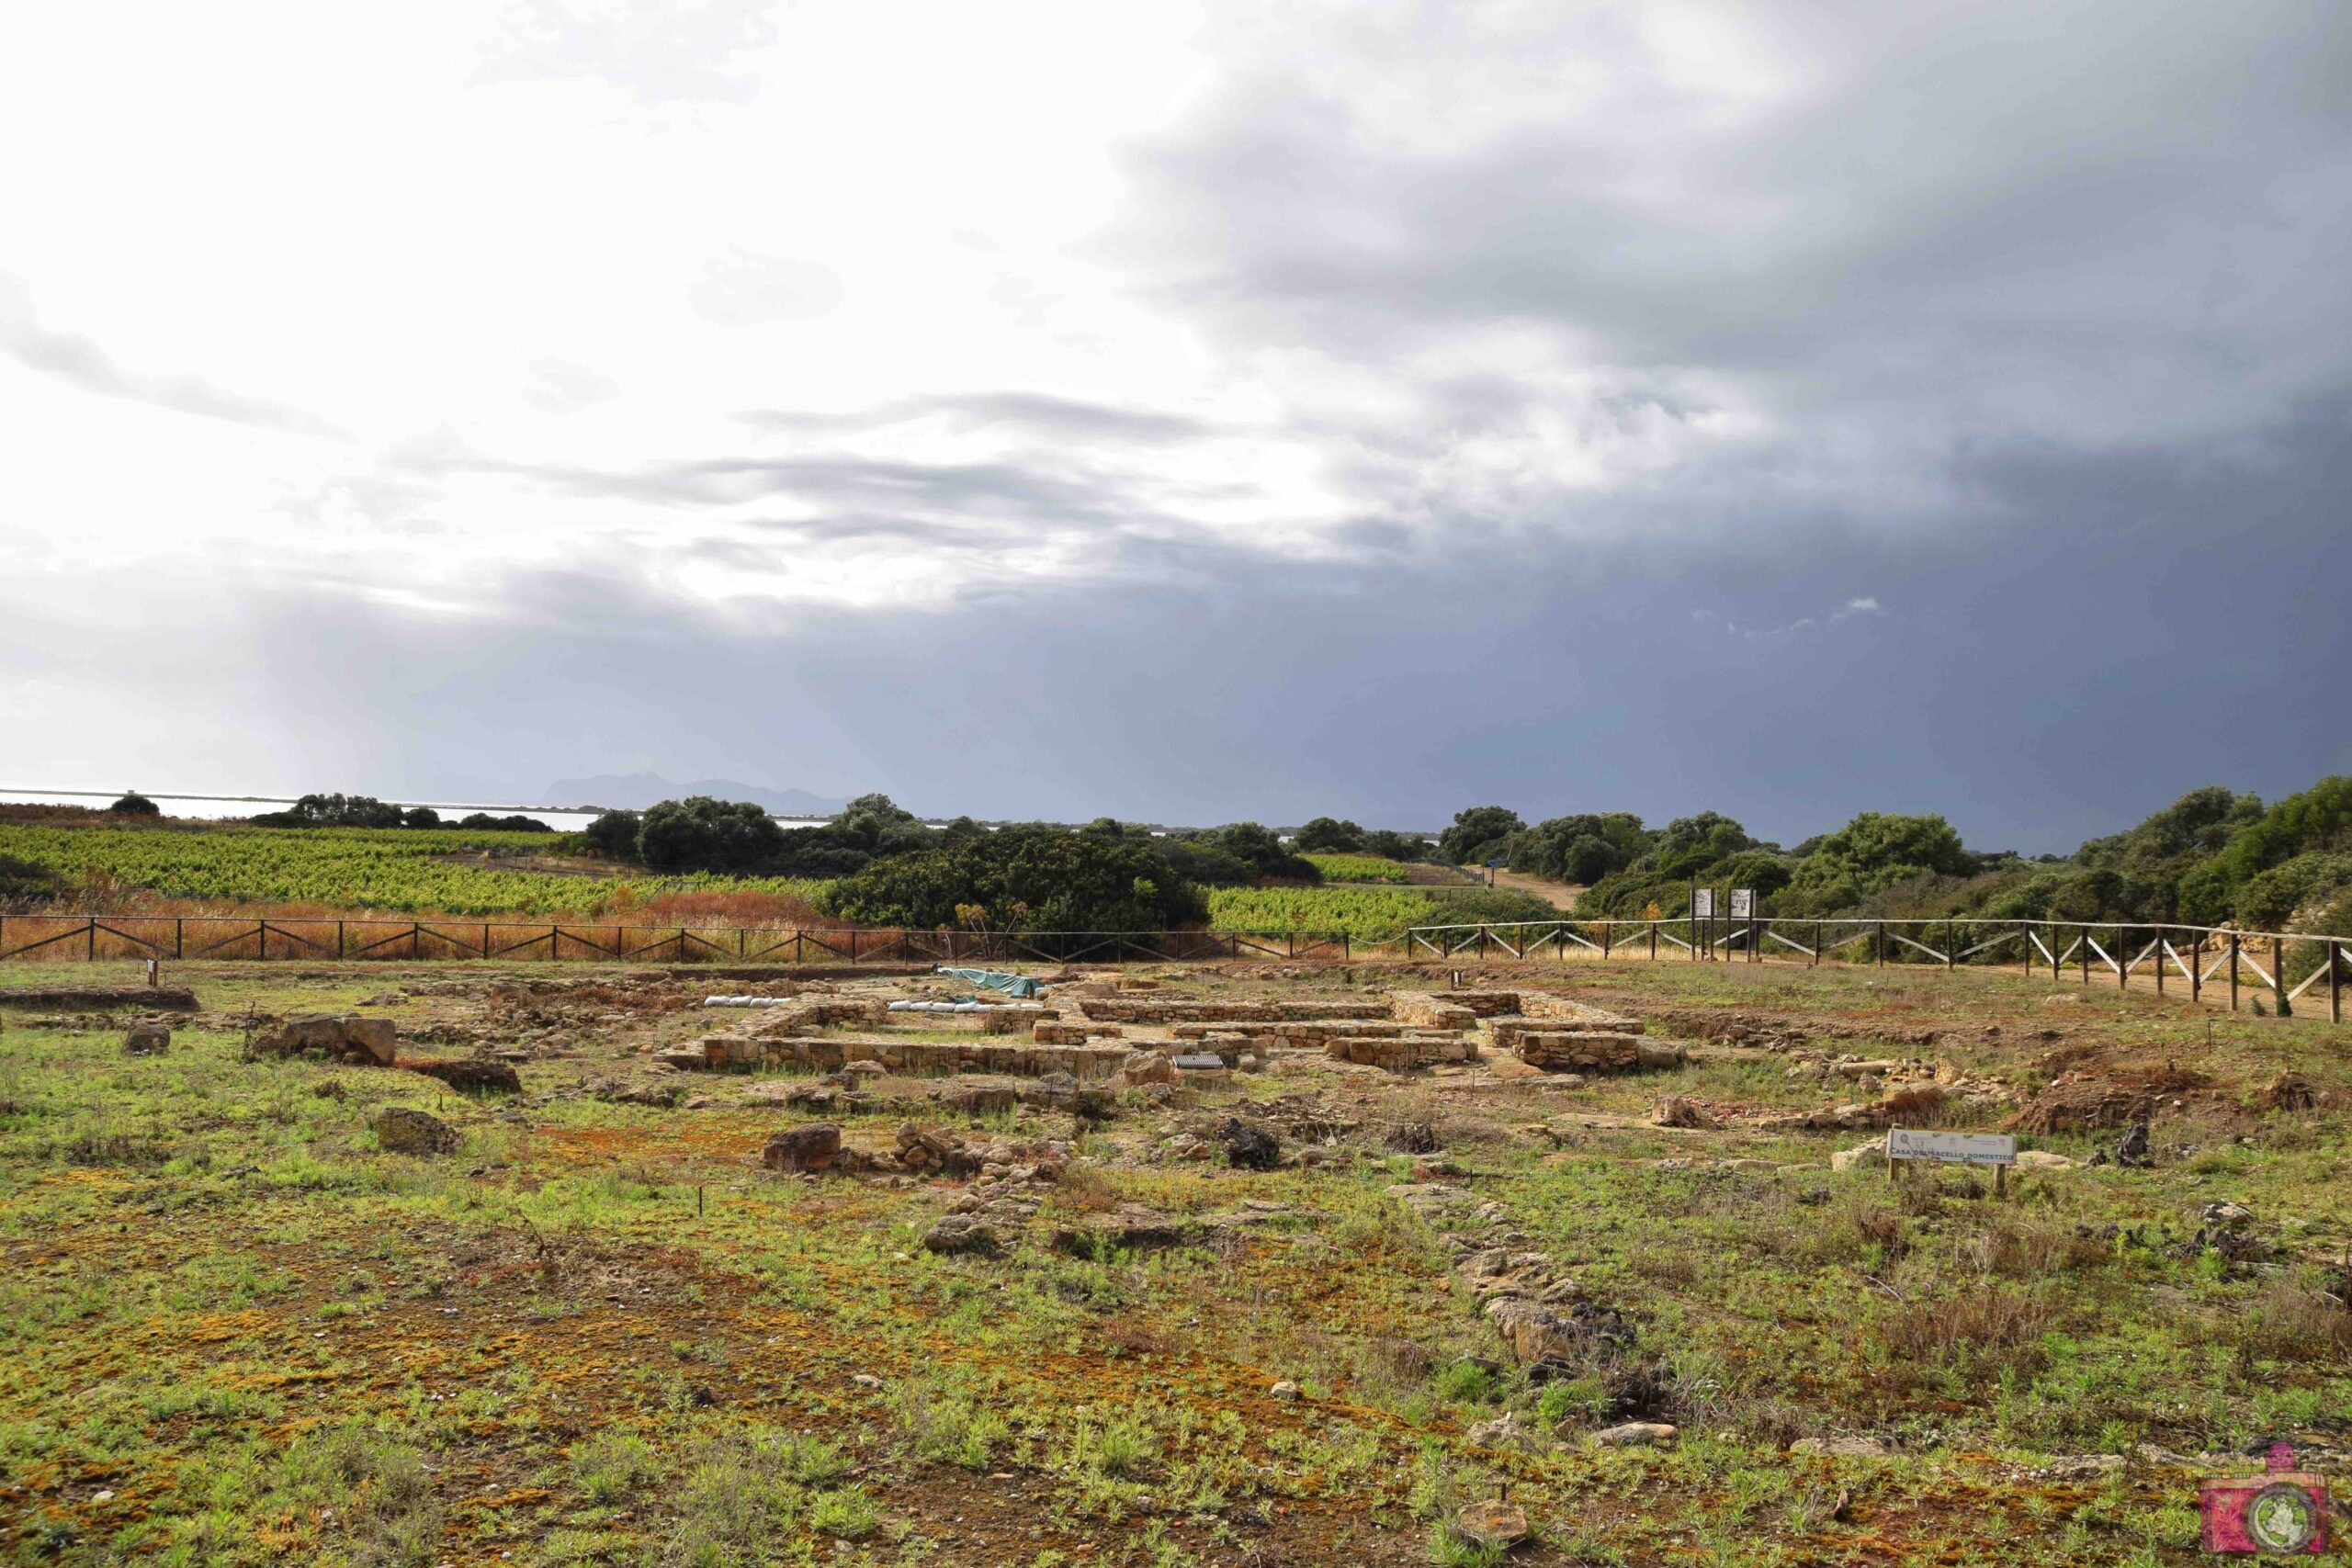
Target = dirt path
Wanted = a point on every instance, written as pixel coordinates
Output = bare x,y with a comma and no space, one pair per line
1560,894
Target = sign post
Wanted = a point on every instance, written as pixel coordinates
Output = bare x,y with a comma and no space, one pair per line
1743,908
1998,1150
1703,908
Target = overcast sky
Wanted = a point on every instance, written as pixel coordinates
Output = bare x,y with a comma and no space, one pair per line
1186,412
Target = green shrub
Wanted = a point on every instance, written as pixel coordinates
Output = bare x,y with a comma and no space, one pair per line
612,835
134,805
1328,835
1023,879
703,834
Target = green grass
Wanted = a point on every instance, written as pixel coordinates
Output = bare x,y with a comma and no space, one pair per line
602,1334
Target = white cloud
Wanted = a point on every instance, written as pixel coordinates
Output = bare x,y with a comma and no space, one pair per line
882,306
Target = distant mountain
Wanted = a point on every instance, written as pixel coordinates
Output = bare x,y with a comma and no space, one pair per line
636,791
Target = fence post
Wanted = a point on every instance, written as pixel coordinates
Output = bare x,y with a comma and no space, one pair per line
2160,955
2278,976
1881,944
1653,941
176,929
2233,970
2197,967
2334,982
2122,958
2025,948
1344,945
1951,947
2087,956
853,944
1816,946
90,954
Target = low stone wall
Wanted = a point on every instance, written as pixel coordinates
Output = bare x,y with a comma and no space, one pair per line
1305,1034
1486,1004
1170,1009
1400,1052
1067,1032
1426,1010
1559,1012
913,1058
817,1012
1558,1016
1594,1051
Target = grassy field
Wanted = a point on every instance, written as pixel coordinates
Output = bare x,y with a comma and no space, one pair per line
237,1332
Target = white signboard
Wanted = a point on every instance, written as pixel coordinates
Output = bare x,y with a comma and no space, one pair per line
1743,903
1968,1148
1702,903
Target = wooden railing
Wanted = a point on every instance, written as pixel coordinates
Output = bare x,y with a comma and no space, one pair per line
94,937
2288,964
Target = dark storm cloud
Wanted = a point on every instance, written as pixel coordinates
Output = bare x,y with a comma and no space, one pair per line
1956,219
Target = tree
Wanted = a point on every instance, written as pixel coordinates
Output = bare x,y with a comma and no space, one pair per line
1691,844
1582,848
1327,835
1260,848
483,821
134,805
1389,845
420,816
334,811
1876,851
880,825
700,833
1477,834
1024,878
612,835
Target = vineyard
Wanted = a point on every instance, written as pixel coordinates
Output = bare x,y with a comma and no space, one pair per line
445,872
327,870
1365,914
1359,868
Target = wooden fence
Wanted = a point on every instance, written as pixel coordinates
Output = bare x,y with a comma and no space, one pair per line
2288,964
94,937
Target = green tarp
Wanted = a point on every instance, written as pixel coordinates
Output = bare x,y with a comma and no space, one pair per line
1019,986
